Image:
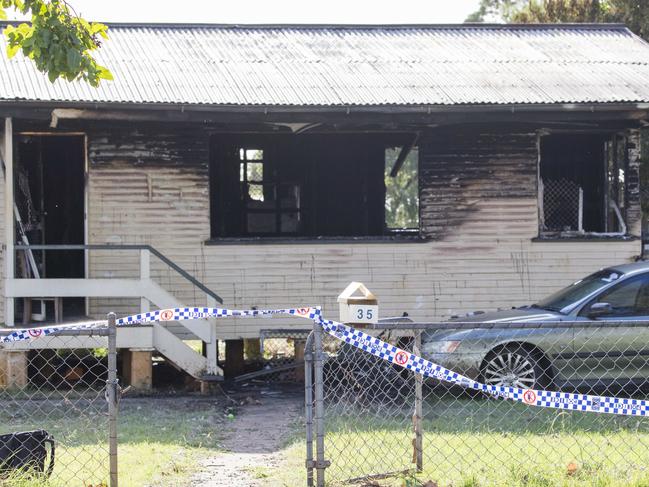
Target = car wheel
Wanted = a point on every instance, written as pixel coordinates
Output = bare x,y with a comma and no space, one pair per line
515,367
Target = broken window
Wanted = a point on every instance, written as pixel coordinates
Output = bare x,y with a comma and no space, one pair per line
401,189
311,185
582,185
270,203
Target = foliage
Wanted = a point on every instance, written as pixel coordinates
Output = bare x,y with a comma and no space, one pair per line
57,40
555,11
401,191
496,10
633,13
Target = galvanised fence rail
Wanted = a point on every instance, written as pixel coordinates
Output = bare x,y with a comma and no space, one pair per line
373,422
58,408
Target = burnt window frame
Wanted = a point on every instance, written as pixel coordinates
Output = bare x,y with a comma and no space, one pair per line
308,183
613,142
229,205
270,184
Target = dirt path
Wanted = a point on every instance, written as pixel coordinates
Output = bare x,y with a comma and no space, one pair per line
252,439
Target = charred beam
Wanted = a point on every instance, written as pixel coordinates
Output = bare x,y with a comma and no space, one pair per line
398,164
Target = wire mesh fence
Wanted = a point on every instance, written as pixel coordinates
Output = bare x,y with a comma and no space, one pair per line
55,412
385,424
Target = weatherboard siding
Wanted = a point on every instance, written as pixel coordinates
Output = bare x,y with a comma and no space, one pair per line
478,206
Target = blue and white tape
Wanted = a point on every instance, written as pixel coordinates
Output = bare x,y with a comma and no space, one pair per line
31,333
180,314
531,397
378,348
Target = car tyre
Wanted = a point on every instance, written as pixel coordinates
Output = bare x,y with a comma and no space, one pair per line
516,366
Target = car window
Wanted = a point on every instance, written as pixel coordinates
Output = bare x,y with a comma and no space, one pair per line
629,298
579,290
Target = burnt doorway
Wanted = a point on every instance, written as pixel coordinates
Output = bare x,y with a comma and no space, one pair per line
49,189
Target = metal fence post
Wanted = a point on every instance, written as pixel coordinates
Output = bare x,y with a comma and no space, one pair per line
308,407
417,418
112,398
320,463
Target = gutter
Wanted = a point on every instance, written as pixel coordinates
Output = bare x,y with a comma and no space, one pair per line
81,107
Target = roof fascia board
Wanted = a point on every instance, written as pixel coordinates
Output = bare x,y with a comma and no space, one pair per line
336,109
157,114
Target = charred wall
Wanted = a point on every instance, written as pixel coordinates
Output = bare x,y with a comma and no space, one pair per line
462,172
483,183
150,184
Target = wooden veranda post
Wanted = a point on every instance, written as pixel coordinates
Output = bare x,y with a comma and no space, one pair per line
9,216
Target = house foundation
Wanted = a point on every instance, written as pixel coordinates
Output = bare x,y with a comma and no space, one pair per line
234,358
138,369
252,348
298,351
13,370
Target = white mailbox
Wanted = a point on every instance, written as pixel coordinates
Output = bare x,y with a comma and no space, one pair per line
358,305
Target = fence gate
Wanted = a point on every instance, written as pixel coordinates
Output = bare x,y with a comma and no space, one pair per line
370,410
60,390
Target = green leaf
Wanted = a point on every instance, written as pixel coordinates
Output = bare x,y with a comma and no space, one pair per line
12,50
73,59
104,73
97,28
58,41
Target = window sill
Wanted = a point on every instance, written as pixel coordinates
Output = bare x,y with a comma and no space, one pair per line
586,238
406,238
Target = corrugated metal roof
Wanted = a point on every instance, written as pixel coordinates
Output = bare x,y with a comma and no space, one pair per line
353,65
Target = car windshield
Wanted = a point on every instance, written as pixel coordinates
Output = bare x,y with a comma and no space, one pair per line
579,290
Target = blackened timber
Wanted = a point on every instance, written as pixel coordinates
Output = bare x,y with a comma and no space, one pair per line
398,164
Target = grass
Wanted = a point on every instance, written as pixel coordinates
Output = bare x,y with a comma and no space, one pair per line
467,443
160,440
479,442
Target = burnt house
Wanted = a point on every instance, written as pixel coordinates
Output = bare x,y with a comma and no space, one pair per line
449,167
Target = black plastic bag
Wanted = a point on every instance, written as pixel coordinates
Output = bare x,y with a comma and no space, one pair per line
26,451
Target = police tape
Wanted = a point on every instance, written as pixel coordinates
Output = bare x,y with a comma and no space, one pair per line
31,333
378,348
530,397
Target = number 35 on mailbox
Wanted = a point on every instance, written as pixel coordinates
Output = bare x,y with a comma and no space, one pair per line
358,305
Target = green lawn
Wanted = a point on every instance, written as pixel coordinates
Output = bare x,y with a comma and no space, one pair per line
476,443
160,439
466,443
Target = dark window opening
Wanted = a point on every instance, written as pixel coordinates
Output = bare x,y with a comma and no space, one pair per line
582,184
311,185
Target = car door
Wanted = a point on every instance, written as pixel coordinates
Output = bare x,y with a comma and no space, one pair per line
616,354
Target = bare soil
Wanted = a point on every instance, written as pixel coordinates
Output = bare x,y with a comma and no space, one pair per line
264,419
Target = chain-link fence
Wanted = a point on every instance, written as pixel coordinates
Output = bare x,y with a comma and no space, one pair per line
371,422
58,410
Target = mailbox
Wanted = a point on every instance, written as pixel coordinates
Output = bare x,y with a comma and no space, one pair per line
358,305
